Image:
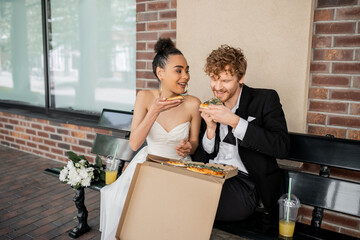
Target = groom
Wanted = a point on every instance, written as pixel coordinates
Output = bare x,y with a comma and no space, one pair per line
249,131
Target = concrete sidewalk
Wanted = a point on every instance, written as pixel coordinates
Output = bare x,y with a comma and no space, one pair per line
34,205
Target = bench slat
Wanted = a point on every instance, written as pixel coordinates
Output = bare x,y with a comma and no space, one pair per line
335,152
332,194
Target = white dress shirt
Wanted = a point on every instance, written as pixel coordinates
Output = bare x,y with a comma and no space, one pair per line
228,153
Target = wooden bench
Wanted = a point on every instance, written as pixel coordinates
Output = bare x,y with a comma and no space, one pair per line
321,191
119,123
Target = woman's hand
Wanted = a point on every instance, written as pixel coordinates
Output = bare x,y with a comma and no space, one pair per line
184,148
161,105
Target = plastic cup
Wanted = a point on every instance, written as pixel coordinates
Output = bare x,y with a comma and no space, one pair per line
288,210
111,170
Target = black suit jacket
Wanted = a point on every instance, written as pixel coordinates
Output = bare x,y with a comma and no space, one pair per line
265,140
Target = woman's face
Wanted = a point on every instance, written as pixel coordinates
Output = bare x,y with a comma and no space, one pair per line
175,76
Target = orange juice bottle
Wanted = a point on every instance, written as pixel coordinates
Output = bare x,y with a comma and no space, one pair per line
110,177
286,229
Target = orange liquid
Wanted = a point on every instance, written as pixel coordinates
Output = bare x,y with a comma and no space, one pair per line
286,228
110,177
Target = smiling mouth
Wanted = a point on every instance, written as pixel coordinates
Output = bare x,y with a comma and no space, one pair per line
182,84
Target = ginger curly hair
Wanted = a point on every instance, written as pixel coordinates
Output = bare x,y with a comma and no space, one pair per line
224,56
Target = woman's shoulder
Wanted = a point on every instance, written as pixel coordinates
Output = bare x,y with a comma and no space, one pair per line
147,94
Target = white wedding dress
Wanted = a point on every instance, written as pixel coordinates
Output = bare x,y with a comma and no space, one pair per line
160,143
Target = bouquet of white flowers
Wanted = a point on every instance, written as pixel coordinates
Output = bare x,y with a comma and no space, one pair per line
80,173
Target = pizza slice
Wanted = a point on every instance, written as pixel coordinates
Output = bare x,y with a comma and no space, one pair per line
213,101
205,169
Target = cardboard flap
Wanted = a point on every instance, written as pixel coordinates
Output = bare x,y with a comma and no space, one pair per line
166,202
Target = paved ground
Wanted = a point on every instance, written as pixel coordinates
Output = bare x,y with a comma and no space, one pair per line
34,205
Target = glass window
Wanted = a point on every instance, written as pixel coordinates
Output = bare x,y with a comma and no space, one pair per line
92,54
21,52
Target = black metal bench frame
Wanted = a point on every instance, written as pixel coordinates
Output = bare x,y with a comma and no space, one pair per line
320,191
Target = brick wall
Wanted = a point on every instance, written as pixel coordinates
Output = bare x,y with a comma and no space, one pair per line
155,19
334,94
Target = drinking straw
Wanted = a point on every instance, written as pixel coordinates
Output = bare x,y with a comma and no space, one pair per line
288,204
113,160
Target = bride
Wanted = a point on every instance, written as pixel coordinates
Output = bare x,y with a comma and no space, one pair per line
170,127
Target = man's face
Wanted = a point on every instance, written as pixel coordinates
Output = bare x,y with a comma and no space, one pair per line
225,86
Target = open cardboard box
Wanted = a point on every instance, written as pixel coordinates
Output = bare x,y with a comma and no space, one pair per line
169,202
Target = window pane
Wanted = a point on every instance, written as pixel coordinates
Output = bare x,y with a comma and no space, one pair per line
21,52
92,54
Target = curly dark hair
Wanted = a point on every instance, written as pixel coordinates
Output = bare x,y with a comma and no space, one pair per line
164,47
224,56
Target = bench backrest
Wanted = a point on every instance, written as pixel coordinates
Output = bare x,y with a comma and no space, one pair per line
105,145
324,191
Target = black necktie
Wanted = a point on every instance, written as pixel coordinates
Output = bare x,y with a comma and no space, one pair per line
229,138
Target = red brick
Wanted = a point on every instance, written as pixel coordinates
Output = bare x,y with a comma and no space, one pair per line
333,54
319,67
335,3
78,134
336,218
37,126
347,41
102,131
335,28
19,129
140,7
22,142
49,129
150,46
90,136
30,144
330,81
157,6
144,74
173,4
345,95
348,68
352,232
57,151
77,149
345,121
352,13
42,121
36,139
140,46
144,55
318,93
332,107
168,34
25,136
168,15
140,27
357,55
323,15
12,121
145,36
50,143
71,126
316,118
143,17
42,147
140,65
86,129
140,83
322,131
153,84
356,82
354,134
173,25
43,134
155,26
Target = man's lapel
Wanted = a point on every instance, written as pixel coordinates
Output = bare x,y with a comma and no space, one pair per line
244,102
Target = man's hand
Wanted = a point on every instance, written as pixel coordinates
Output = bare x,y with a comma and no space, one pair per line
184,148
219,114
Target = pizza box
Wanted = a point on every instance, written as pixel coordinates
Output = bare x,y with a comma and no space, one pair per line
167,202
230,170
